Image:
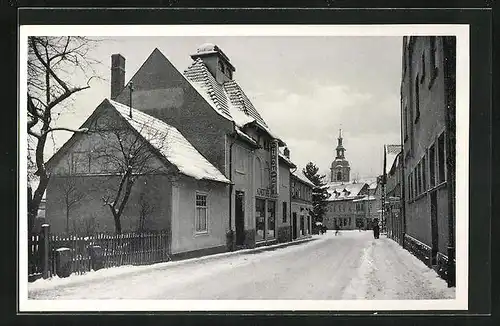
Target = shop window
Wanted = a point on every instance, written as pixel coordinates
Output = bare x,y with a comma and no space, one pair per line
271,219
441,159
201,213
260,218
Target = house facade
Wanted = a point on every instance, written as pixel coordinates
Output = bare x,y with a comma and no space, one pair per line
301,208
391,184
428,155
207,105
175,188
349,206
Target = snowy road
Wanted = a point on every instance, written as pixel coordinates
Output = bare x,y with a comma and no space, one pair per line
350,266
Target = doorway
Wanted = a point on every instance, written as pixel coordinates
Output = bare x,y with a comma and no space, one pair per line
294,225
434,228
240,217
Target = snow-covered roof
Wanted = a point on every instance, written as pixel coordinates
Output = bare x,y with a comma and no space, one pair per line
286,160
178,151
344,191
228,98
391,152
303,178
366,198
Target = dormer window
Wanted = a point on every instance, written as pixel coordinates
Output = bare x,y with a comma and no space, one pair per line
221,66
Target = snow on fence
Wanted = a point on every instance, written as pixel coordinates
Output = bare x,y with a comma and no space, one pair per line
114,250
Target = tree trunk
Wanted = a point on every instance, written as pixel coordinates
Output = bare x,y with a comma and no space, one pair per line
118,223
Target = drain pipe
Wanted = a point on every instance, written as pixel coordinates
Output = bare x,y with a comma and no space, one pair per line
233,134
291,215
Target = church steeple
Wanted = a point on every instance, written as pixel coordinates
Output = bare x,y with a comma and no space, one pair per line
340,149
340,169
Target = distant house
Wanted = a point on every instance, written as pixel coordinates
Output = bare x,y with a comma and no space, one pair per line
176,188
348,206
301,190
209,107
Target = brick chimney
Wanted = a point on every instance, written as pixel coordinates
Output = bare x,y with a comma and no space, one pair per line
117,75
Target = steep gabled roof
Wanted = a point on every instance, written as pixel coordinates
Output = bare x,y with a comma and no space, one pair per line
178,151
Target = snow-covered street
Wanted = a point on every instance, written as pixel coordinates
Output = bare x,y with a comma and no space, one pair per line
352,265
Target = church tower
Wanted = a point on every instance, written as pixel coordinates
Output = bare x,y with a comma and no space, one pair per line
340,170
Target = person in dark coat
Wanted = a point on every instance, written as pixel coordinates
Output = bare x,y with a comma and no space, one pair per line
376,230
337,228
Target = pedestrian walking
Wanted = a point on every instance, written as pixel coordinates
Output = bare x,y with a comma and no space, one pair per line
376,229
337,229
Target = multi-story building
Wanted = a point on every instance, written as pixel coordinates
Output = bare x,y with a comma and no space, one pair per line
208,106
391,183
301,193
428,155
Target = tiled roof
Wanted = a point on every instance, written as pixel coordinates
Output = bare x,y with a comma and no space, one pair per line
178,151
222,96
199,74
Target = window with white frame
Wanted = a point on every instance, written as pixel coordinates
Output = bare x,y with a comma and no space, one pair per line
201,218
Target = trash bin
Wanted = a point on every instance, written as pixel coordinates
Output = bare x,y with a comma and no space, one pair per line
96,257
63,262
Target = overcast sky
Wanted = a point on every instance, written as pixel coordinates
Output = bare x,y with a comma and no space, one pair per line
306,88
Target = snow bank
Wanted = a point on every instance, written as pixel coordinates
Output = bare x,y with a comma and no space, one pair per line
128,270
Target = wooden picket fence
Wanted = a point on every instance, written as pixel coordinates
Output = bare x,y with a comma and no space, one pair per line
117,250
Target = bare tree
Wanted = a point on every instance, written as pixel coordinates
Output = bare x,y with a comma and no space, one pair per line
71,194
52,63
128,154
146,209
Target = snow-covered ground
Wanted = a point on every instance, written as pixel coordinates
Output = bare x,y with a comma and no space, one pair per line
352,265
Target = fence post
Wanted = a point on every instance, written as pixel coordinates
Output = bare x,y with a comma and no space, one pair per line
46,249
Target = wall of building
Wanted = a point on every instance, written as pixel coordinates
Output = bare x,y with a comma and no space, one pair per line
89,215
342,212
422,134
183,199
283,211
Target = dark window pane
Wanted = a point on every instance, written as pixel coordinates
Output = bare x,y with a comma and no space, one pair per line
441,159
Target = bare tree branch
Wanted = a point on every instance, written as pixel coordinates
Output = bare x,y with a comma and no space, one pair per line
48,88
